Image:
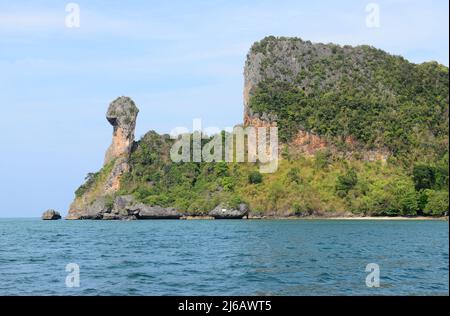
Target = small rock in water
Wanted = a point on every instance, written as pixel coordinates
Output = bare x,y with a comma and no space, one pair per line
51,215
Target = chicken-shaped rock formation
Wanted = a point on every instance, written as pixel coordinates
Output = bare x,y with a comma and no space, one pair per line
122,114
91,200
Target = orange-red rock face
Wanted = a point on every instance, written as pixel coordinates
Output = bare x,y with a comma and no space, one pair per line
121,145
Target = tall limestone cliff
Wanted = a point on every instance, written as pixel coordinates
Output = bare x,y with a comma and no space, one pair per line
280,59
92,197
347,99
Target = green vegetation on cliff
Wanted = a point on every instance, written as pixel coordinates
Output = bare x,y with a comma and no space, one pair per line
302,186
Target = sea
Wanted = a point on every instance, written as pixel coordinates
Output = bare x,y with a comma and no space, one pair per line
224,257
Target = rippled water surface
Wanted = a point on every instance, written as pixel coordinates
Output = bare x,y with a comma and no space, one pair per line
223,257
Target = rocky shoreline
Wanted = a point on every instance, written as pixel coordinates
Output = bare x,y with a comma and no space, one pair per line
127,208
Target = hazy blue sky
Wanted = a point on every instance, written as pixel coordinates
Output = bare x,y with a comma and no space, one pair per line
178,60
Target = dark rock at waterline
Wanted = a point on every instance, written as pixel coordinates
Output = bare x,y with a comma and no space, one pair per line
114,217
222,212
97,209
125,207
93,210
155,212
51,215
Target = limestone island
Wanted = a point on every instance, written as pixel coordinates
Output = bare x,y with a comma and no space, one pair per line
361,133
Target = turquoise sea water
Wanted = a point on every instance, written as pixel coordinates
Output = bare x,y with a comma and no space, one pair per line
224,257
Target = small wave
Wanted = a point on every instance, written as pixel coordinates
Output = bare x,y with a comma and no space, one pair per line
139,275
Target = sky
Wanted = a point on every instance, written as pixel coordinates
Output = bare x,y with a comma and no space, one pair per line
178,60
